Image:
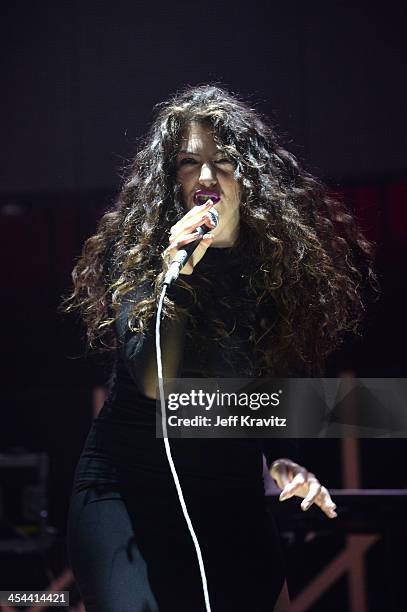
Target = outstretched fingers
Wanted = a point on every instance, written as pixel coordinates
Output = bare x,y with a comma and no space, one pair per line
293,486
314,489
324,501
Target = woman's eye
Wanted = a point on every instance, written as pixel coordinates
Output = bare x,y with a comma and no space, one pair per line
187,160
224,160
190,161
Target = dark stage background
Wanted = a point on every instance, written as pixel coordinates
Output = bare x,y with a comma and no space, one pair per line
80,80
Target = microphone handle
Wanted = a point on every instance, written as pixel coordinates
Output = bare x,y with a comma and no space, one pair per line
183,254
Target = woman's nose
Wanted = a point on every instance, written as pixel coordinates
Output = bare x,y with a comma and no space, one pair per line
207,176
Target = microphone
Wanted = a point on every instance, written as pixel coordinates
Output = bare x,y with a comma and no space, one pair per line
185,252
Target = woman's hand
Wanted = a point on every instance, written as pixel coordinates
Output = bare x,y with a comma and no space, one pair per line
294,479
183,232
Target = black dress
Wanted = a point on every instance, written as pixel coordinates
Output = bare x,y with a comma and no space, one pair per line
129,545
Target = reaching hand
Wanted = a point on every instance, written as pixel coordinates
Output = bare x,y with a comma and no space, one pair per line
294,479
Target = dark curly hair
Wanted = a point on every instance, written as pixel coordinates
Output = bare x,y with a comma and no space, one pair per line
304,258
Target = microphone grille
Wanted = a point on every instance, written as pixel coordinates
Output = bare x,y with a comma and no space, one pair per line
214,216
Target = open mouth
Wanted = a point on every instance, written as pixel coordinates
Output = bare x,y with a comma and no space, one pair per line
201,196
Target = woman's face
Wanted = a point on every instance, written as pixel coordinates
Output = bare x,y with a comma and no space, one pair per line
201,165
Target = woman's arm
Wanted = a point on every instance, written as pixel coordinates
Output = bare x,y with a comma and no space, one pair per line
138,349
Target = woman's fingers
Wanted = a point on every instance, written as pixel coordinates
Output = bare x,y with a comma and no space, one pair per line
182,240
198,253
294,479
288,475
193,223
191,217
171,249
314,489
324,501
184,232
296,483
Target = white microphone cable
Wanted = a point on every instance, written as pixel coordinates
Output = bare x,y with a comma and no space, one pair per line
168,451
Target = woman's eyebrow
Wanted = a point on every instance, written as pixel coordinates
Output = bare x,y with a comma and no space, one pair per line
219,151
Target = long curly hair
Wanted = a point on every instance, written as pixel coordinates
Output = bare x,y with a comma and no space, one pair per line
305,261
